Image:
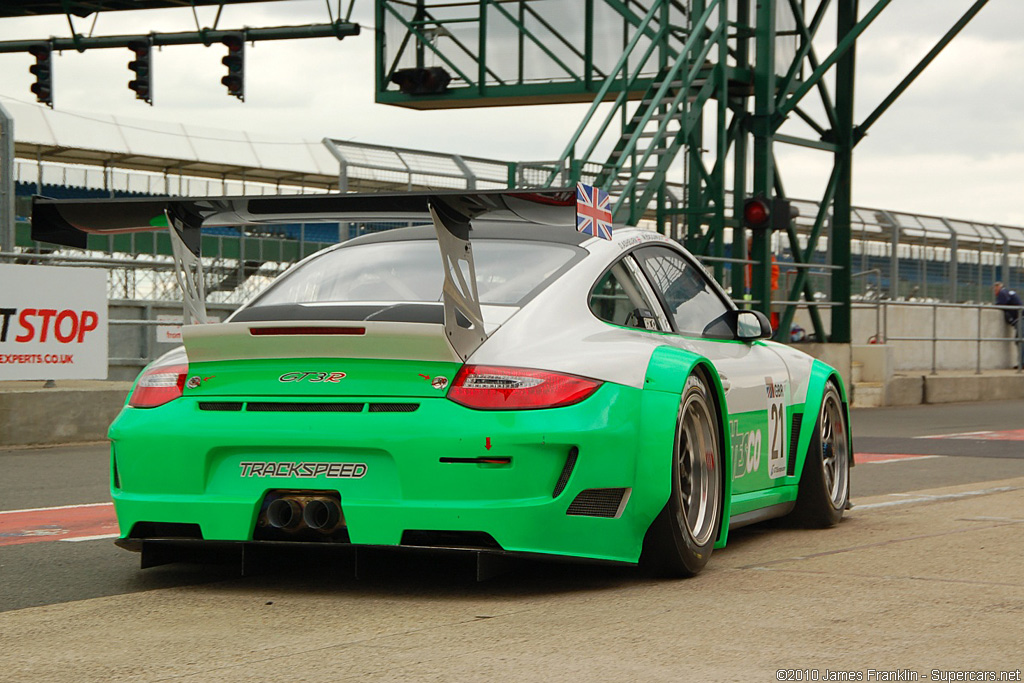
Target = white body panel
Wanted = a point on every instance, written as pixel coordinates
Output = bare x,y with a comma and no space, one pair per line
557,331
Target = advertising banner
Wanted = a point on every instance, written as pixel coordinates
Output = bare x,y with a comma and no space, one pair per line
170,332
53,323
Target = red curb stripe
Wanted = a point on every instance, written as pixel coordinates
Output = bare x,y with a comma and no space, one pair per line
865,458
56,524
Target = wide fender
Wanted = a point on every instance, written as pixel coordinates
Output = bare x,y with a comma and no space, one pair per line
664,382
821,375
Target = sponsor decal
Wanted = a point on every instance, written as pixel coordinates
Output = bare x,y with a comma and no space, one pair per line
37,358
312,377
775,392
634,240
304,470
34,324
170,331
746,450
53,323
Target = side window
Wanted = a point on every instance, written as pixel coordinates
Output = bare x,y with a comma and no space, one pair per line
618,300
691,302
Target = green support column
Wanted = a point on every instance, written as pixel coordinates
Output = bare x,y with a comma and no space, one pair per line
381,45
739,146
841,210
763,133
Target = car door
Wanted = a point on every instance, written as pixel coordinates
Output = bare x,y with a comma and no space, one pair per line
755,378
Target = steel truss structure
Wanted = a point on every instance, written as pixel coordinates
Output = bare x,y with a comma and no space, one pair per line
704,90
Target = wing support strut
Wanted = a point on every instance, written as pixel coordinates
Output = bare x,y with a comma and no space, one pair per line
463,318
184,229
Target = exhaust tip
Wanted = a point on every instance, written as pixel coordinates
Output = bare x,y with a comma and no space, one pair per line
322,514
284,513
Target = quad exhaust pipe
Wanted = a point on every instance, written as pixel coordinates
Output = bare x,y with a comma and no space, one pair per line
294,512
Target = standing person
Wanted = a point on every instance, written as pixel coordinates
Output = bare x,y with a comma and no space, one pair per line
1009,297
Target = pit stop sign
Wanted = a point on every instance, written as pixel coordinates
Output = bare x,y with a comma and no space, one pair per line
53,323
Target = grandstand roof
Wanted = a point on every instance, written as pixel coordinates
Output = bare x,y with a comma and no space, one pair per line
106,140
83,8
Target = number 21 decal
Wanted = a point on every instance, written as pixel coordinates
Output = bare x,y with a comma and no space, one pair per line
776,395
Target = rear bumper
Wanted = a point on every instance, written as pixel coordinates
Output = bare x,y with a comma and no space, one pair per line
179,464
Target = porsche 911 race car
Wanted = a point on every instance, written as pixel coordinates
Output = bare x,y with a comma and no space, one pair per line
492,380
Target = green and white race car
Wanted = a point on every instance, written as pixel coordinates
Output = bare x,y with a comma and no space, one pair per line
492,380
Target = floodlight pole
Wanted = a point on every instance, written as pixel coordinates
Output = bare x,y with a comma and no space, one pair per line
6,180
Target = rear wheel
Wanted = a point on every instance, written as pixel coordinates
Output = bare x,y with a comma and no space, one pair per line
825,481
681,538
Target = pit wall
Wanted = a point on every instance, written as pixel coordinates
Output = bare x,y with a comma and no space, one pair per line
900,372
871,326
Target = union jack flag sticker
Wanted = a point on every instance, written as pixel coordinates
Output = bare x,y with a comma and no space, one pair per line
593,211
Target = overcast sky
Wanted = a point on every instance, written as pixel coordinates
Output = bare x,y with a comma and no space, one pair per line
953,145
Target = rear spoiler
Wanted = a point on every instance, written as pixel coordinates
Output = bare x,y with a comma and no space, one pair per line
69,222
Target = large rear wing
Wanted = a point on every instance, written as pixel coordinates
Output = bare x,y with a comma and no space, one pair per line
69,222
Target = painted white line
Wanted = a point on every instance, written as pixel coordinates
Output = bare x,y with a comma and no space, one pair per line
935,499
88,538
58,507
993,519
954,436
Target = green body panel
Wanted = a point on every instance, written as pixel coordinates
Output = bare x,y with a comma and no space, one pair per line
666,375
755,500
180,463
177,463
365,377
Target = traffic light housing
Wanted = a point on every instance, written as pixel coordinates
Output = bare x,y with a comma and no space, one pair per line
142,66
43,71
235,62
761,213
420,81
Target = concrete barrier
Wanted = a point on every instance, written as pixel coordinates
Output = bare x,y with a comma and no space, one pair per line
75,413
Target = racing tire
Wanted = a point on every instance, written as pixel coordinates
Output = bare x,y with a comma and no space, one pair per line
824,490
679,541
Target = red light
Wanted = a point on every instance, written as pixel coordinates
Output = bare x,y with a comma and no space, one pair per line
756,213
159,385
495,388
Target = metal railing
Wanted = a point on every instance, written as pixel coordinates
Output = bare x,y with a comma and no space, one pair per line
882,335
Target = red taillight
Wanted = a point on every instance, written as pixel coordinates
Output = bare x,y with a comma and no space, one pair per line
494,388
158,386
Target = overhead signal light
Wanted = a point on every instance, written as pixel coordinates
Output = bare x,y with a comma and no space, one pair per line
760,213
43,71
142,66
234,81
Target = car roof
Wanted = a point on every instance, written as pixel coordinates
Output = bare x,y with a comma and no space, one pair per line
505,230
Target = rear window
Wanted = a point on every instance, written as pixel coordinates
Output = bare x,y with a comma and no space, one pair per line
507,272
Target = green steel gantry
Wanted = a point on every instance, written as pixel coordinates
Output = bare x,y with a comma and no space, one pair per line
699,90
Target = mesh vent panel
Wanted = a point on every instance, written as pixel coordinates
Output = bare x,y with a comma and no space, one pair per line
794,438
563,479
597,503
394,407
221,406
